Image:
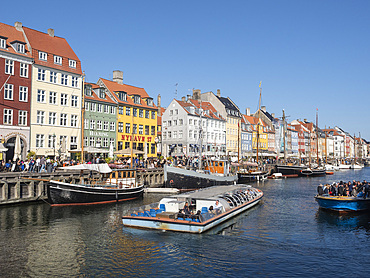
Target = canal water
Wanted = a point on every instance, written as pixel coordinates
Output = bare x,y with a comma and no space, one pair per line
286,235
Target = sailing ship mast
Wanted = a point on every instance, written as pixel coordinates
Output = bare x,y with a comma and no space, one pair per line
317,136
258,124
82,119
200,135
284,136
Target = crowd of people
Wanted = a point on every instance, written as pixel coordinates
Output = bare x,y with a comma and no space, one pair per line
354,189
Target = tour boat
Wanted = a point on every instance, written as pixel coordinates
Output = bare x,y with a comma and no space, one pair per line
112,186
207,208
343,203
215,172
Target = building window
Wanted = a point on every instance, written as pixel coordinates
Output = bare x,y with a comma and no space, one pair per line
112,126
61,139
181,121
43,56
63,119
134,111
92,141
99,108
86,124
87,105
136,99
9,67
106,126
92,124
74,120
120,110
23,70
141,129
98,125
64,79
41,96
53,97
63,99
52,118
39,140
141,113
8,116
53,77
146,130
120,127
134,128
41,74
74,81
122,96
73,142
72,64
93,107
128,128
105,142
2,43
57,60
20,47
152,131
8,91
74,101
22,117
112,110
86,141
147,114
180,134
127,145
23,93
128,111
51,141
106,108
152,149
153,114
40,117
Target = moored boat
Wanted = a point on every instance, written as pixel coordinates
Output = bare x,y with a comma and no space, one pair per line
112,186
215,172
248,176
308,172
288,170
196,211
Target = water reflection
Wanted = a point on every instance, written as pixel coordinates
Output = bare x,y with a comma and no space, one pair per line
351,220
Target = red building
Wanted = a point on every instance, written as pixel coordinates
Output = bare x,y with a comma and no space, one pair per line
15,90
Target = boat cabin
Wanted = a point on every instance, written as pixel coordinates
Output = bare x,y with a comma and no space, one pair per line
217,166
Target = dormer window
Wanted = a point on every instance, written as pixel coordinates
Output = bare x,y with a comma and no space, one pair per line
3,42
57,60
102,93
122,96
18,46
72,64
136,99
43,56
88,90
149,102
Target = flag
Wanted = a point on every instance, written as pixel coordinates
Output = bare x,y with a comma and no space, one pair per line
260,84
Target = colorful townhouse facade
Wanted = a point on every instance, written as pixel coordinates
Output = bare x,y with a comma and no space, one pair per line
136,115
15,89
100,120
55,96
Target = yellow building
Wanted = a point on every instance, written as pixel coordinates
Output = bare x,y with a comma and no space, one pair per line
262,132
136,116
56,95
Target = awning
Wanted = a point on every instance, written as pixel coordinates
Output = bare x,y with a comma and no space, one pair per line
101,168
128,152
90,150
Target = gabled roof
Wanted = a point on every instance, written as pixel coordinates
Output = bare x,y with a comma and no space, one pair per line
12,34
114,87
40,41
205,105
95,96
229,104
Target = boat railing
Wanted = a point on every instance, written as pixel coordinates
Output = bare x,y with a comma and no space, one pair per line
146,210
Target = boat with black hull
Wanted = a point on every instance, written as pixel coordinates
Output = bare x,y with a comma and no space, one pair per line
195,212
308,172
288,170
112,186
216,172
249,176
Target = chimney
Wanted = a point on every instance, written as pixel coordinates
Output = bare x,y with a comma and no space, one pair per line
159,100
18,26
218,92
273,115
183,99
51,32
248,111
263,108
196,94
188,97
118,76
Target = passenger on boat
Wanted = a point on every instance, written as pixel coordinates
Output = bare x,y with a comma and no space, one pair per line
186,209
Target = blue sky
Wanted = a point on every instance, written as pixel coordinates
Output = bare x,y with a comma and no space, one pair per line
308,54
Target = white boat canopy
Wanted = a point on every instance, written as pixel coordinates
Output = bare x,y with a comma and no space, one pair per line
101,168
